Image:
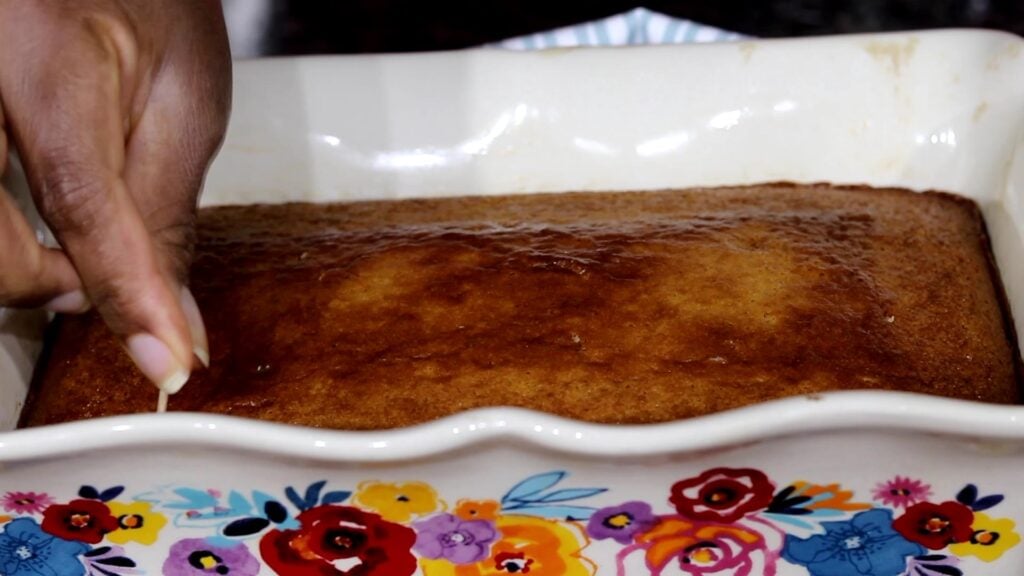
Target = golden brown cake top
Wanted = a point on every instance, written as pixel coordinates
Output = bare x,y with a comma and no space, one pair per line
610,307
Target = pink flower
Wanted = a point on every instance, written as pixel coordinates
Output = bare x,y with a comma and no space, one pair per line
902,492
26,502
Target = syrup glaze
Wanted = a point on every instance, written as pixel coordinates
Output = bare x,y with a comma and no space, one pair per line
610,307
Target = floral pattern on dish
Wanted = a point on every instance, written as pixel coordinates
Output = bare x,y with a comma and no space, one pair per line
719,522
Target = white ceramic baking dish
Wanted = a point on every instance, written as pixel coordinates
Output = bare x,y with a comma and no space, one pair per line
835,485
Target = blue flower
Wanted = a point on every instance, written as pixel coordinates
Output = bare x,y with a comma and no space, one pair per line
865,545
25,550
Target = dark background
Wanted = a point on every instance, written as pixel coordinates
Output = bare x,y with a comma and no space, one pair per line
359,26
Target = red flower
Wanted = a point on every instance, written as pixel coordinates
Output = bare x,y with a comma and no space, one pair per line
936,526
340,540
722,494
82,520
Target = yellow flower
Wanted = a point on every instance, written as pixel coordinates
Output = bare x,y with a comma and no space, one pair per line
991,538
398,502
136,522
528,545
4,519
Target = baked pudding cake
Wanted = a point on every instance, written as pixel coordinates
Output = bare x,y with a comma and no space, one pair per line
617,307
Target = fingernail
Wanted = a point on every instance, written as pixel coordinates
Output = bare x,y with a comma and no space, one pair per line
200,345
155,360
73,302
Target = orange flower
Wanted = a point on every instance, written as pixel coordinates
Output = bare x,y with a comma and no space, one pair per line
478,509
528,545
713,547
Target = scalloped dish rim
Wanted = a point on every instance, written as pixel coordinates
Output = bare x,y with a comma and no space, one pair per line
833,411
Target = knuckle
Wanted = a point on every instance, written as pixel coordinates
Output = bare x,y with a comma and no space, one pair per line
210,103
121,302
104,296
72,198
201,149
112,305
211,127
198,146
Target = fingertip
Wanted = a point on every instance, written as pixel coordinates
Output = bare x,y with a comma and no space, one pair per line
73,302
155,360
175,382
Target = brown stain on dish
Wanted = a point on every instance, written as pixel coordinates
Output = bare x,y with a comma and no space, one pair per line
747,50
979,111
1010,52
629,307
894,55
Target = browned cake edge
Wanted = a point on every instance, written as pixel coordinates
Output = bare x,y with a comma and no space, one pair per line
1002,298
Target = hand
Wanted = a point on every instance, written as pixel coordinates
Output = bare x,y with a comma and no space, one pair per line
116,108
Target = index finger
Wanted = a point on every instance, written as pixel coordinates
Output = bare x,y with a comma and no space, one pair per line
68,121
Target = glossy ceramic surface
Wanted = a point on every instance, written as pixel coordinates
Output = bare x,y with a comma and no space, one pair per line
856,483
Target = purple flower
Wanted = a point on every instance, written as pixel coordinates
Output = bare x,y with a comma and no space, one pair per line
621,522
454,539
206,557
